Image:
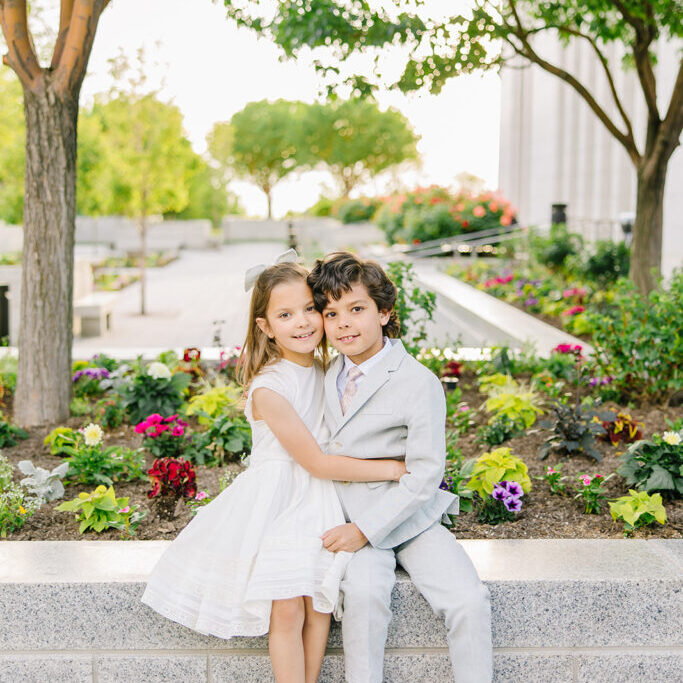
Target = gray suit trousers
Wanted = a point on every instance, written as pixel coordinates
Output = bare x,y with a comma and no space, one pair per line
444,574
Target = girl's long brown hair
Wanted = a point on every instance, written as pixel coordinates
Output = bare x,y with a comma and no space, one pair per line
258,350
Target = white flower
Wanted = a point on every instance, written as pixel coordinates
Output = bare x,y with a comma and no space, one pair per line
158,371
672,438
93,435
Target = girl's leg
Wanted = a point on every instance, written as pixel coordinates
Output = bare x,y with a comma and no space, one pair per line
285,641
316,629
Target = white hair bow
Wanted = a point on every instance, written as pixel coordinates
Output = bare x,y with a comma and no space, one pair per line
250,277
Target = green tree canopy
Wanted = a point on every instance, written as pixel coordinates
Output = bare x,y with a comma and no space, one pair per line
438,44
356,140
262,142
12,150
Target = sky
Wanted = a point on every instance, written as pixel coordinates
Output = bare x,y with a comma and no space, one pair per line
212,70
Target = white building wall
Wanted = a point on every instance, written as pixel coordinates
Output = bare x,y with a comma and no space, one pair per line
554,149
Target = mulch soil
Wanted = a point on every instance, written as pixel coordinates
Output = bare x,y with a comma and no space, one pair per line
543,515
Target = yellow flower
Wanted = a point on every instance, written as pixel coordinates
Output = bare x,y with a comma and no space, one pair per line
22,510
93,435
672,438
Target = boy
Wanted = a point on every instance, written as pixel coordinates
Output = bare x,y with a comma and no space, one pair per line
381,402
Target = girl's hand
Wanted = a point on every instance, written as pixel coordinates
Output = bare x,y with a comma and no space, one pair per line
400,470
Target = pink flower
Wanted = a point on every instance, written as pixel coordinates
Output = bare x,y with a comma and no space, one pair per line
201,495
154,418
178,431
459,206
479,211
159,429
124,511
586,480
141,426
464,409
551,470
505,220
573,310
493,206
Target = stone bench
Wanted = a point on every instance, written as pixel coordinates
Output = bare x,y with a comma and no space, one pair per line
563,611
94,312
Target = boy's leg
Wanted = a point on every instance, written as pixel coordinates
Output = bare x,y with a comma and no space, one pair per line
445,575
367,586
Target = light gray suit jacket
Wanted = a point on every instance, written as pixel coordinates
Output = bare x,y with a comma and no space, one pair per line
398,412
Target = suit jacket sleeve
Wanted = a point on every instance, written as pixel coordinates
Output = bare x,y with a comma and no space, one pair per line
425,460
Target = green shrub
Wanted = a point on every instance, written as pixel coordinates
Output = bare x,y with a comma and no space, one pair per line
655,465
227,439
109,412
496,466
499,431
323,207
638,509
517,405
147,394
607,263
414,306
555,248
355,210
638,342
9,433
16,507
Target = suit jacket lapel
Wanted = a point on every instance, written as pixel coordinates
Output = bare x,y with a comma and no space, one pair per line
333,410
377,377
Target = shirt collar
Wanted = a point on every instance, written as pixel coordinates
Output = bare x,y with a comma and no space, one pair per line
367,365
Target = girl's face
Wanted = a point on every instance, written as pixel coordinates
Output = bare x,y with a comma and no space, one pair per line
291,319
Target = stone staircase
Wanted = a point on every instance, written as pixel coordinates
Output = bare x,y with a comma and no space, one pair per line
563,610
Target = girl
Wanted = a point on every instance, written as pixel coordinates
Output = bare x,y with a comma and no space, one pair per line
252,560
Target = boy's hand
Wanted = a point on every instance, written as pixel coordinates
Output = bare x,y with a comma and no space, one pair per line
346,537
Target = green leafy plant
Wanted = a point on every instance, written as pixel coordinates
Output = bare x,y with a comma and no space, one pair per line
100,510
638,509
591,492
5,472
9,433
607,263
655,465
16,507
227,439
63,441
499,431
109,412
214,401
80,406
414,306
638,343
91,463
554,249
555,480
152,393
355,210
498,465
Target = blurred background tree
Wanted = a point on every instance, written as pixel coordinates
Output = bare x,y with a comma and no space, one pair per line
12,150
356,140
424,44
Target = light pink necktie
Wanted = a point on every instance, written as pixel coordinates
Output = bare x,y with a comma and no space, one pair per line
351,388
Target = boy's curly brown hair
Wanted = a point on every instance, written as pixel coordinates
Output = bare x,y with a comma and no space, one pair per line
337,272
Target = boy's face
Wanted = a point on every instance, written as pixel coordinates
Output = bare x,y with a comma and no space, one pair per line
354,324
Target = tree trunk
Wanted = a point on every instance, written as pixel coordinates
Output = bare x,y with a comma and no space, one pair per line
269,197
143,264
46,327
646,247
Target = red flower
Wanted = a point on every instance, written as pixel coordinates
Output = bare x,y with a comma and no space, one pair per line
465,224
191,354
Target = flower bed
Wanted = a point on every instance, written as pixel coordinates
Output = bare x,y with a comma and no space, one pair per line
160,440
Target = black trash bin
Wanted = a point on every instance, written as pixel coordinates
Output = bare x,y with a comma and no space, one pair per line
4,312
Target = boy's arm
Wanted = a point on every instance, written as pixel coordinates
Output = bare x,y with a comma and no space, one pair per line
425,461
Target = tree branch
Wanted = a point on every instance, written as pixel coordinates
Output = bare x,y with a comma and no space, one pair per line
70,70
605,65
673,122
21,56
66,9
529,53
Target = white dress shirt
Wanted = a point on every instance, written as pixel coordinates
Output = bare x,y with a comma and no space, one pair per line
364,367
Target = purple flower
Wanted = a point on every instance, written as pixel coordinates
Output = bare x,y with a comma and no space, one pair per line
594,381
531,301
500,493
512,504
446,483
514,489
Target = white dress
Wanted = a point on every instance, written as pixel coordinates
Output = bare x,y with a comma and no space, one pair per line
259,540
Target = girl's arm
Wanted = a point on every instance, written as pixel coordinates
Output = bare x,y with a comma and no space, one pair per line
297,440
